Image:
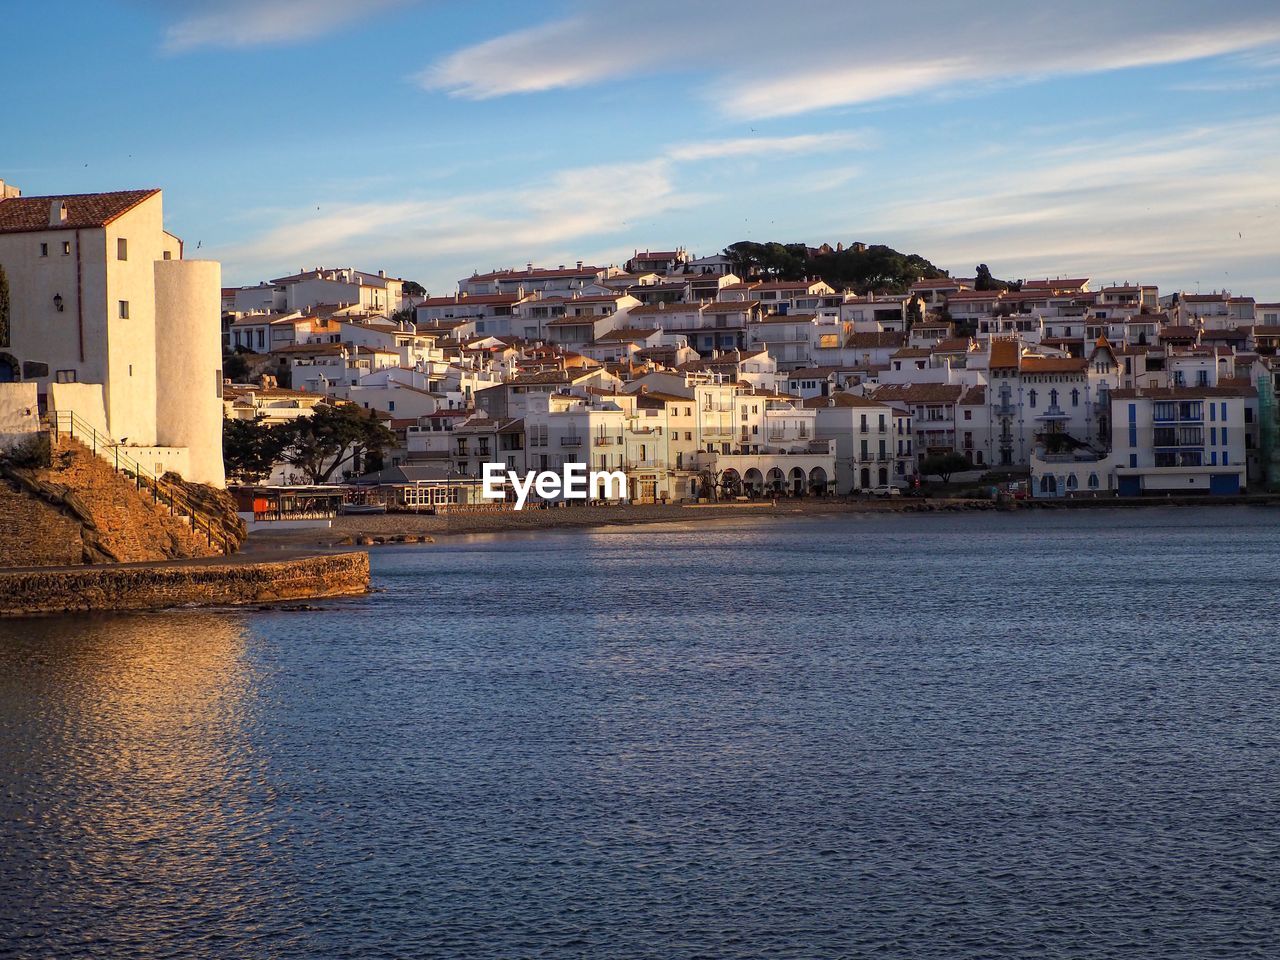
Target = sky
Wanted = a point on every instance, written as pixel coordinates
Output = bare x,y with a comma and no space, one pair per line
1135,141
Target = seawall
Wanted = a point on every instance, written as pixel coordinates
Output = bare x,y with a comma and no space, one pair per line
155,586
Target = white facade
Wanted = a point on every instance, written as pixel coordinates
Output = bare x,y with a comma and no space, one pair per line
102,299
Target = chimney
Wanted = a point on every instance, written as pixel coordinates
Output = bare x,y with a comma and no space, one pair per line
57,213
579,264
382,274
529,267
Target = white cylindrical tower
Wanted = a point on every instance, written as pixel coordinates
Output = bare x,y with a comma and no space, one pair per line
189,363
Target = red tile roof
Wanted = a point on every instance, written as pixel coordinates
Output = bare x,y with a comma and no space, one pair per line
1053,365
84,210
1004,353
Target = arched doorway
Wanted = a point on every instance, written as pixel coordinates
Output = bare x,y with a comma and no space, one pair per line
774,480
797,482
818,482
731,483
9,369
753,481
883,475
865,478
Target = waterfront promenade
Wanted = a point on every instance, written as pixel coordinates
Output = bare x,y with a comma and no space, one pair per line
370,530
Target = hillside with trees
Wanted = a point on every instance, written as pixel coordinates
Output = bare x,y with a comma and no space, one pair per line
866,269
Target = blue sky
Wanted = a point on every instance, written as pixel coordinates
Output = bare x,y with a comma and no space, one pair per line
1136,141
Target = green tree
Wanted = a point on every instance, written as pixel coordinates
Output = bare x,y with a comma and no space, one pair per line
412,288
334,436
249,449
943,465
235,367
865,269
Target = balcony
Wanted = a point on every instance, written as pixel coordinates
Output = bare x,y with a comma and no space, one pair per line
570,441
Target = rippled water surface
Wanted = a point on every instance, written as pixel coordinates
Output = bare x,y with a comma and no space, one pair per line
961,736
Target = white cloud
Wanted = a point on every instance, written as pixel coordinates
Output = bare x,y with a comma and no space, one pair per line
247,23
767,60
573,207
1197,204
770,146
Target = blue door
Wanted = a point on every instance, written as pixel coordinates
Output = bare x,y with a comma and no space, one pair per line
1224,484
1130,486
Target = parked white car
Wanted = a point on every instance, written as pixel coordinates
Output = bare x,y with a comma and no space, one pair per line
886,490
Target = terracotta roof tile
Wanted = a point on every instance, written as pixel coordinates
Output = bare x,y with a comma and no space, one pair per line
84,210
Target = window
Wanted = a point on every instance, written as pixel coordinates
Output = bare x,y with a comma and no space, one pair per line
122,248
124,309
1031,399
69,376
168,255
66,248
968,414
1093,481
1075,398
44,249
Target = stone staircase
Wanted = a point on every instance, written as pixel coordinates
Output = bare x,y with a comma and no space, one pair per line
180,499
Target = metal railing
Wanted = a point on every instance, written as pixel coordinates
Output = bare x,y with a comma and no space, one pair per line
67,422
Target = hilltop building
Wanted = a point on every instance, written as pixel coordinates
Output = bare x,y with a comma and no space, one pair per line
108,322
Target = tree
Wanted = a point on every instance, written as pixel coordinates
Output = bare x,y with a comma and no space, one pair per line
412,288
915,311
249,449
983,280
865,269
943,465
333,436
235,367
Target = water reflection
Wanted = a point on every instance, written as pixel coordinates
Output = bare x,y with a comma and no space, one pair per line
931,737
136,806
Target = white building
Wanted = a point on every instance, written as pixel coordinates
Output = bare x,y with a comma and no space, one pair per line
112,325
873,444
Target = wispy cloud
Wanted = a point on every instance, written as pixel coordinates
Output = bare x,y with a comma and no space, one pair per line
762,60
1197,204
248,23
573,207
771,146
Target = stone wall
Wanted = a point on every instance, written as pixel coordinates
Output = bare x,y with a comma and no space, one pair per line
19,414
156,586
34,533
